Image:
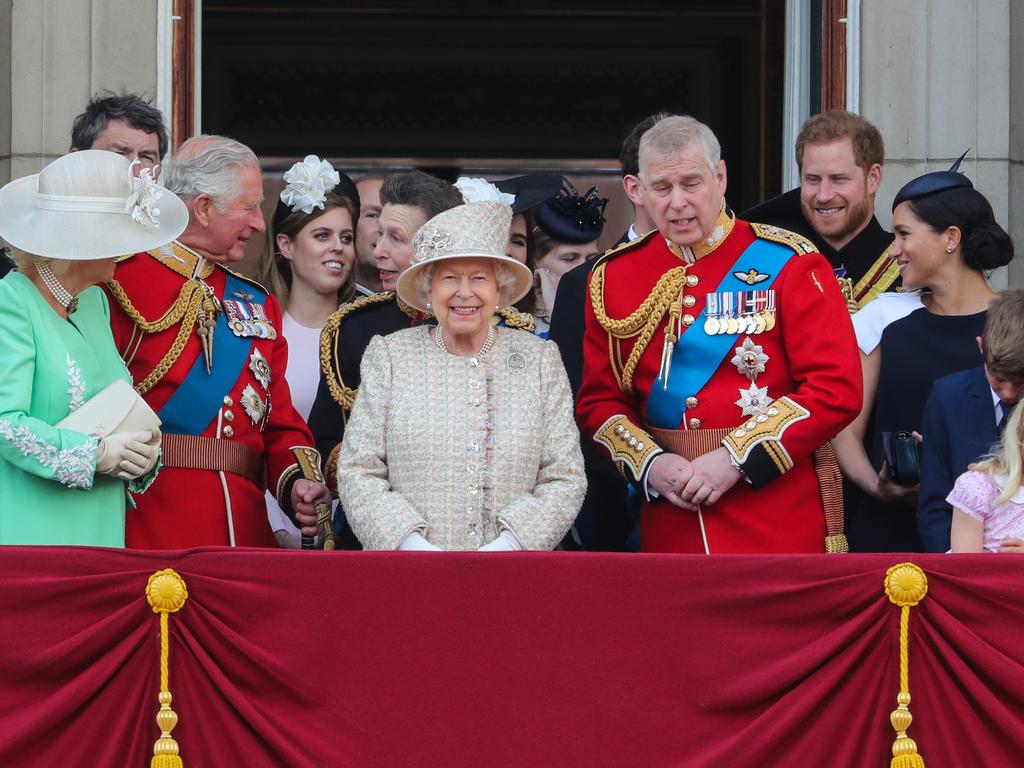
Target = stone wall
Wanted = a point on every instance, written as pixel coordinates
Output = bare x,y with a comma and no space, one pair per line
942,76
58,53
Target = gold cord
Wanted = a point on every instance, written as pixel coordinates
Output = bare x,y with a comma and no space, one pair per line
642,322
185,310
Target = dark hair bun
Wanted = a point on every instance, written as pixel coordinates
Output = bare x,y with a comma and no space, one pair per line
987,247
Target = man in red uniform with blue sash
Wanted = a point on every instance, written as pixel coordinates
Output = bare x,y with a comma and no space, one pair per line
719,360
205,349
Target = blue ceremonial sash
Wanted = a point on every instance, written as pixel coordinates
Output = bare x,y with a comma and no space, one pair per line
198,398
697,355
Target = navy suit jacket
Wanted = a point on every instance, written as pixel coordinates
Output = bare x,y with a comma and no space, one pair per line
959,428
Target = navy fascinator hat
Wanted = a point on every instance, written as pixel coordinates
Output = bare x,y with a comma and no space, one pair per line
933,183
569,217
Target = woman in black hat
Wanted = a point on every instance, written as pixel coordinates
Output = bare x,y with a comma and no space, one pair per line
309,267
946,241
565,234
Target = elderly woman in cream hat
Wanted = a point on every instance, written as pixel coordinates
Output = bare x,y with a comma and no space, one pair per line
65,226
462,436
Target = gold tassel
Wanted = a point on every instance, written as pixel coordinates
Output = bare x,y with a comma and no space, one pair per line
166,593
906,585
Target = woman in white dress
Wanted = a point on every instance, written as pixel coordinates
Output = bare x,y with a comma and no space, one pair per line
309,267
462,436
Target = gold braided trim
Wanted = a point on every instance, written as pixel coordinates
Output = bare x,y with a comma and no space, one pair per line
797,243
878,279
767,429
184,310
513,318
331,470
642,322
330,337
629,445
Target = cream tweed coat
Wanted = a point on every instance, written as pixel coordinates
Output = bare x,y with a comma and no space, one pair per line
458,449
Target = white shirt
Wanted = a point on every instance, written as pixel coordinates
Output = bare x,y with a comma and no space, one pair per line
872,320
303,377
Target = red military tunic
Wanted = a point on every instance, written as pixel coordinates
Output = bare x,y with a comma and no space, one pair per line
812,375
250,414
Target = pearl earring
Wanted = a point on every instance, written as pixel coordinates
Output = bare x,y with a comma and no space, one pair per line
428,305
949,249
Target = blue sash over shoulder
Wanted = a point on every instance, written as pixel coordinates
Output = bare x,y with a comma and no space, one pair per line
198,398
697,355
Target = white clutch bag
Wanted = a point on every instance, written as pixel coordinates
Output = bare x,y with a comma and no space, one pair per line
115,408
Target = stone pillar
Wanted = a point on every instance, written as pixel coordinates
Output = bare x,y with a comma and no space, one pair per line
61,52
936,79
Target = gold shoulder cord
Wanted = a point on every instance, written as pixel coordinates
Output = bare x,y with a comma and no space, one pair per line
330,335
185,310
642,322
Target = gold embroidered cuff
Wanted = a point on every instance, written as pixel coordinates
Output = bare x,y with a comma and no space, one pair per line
631,448
291,472
331,470
756,445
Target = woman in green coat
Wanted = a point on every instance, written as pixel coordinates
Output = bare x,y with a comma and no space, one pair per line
65,226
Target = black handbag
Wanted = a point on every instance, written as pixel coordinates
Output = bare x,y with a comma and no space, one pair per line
903,455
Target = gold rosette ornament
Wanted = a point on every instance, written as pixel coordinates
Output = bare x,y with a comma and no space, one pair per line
166,593
905,585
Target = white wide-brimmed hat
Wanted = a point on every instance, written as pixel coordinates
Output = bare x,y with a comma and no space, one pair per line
470,231
88,205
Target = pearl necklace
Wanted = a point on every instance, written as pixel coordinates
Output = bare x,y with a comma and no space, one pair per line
63,296
484,349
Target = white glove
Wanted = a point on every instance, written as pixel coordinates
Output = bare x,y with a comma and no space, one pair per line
126,454
506,542
414,542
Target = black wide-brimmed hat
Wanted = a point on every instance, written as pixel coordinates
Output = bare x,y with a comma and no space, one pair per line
530,190
570,217
933,183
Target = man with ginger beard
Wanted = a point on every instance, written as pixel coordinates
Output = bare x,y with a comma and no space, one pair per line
840,157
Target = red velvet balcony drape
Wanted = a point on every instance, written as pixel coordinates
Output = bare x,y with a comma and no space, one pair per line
526,659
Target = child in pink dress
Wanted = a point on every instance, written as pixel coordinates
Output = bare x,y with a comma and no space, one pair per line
988,499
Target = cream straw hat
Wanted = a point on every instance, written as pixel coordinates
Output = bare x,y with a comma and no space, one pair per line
88,205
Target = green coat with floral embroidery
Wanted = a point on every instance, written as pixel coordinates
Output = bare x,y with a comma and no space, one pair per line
49,490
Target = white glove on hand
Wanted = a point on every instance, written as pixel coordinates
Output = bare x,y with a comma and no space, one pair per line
414,542
126,455
506,542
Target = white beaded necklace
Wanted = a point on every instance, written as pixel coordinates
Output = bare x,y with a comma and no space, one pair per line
63,296
484,349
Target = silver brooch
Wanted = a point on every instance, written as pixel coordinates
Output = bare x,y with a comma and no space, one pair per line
516,362
753,400
260,368
750,359
253,404
436,243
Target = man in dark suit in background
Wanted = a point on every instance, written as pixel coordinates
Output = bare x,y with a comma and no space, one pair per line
604,523
966,412
840,157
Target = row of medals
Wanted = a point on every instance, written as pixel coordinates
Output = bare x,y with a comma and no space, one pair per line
753,321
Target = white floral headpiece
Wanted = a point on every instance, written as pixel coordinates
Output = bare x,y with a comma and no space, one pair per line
141,203
308,184
482,191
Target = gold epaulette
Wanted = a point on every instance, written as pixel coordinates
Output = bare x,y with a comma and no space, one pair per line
330,337
798,243
513,318
245,279
629,245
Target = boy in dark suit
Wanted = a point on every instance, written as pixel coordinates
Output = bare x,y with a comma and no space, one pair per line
965,413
